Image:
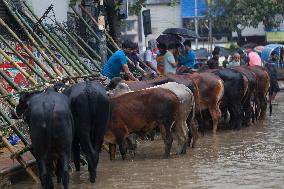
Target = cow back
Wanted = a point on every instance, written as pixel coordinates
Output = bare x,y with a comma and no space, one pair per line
183,94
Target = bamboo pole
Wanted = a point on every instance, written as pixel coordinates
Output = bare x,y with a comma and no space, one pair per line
2,23
23,59
92,31
29,77
45,46
87,25
9,80
73,54
33,41
79,46
13,127
68,57
87,46
19,158
105,32
10,100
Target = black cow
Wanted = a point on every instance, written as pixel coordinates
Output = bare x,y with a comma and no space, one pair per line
51,130
247,106
90,107
233,95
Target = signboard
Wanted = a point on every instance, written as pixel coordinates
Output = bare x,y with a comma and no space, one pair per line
147,22
188,8
277,36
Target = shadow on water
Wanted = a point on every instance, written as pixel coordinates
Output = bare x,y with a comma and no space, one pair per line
249,158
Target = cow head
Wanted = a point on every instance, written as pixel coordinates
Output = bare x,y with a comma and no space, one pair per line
121,88
23,105
113,83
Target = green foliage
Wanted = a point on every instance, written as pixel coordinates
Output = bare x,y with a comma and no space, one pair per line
235,14
135,8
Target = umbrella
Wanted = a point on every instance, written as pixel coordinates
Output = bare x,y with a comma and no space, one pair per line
169,39
182,32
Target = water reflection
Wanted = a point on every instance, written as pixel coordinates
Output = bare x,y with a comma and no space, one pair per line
249,158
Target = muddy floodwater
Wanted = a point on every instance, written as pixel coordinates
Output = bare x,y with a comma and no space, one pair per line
252,157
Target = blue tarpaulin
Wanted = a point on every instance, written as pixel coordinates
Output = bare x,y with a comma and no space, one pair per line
188,8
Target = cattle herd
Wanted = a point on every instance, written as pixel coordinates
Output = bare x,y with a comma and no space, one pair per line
70,119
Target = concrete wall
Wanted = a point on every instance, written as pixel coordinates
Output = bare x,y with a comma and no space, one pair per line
60,8
164,16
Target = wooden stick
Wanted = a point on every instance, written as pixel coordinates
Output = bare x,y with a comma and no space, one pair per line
19,158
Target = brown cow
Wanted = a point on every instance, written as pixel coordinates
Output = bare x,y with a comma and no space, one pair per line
208,90
141,111
262,87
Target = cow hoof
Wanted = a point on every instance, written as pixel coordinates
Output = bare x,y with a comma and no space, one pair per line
166,156
93,179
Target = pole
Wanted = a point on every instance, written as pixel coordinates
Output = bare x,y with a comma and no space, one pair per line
49,62
2,23
19,158
68,57
210,35
9,80
22,59
10,100
79,46
45,46
112,42
196,24
28,76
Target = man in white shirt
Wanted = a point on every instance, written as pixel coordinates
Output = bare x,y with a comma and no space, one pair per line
170,64
149,60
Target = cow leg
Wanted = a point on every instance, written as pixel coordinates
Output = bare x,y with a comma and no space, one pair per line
168,141
45,176
200,124
76,153
235,111
132,144
257,107
263,106
216,115
123,148
90,157
181,132
194,131
59,171
112,151
65,177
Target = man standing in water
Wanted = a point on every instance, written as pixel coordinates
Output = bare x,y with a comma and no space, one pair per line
117,62
271,67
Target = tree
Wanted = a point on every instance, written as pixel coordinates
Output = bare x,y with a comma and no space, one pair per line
237,14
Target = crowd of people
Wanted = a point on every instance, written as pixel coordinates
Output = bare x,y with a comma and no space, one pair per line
174,57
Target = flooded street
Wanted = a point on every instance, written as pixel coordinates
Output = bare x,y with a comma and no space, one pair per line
249,158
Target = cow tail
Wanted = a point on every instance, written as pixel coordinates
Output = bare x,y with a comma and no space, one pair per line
49,126
198,97
91,112
270,101
193,111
